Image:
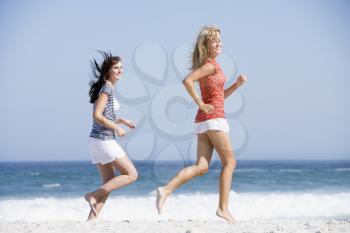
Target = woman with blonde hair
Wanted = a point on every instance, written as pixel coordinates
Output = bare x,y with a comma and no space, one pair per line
211,126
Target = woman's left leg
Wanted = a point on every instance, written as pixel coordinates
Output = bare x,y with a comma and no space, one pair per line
107,172
222,145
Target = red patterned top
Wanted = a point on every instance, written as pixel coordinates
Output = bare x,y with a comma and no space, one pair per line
212,91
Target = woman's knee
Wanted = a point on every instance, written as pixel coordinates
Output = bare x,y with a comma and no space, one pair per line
133,176
230,163
202,169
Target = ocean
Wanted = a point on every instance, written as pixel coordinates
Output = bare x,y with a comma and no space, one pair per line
33,191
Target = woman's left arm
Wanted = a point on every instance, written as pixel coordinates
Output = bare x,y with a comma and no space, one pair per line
239,82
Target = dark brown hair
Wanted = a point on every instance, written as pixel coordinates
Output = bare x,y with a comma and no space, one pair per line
100,73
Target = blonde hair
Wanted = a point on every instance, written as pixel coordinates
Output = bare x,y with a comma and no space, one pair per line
201,50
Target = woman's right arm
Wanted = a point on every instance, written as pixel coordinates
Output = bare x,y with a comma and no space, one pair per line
204,70
102,120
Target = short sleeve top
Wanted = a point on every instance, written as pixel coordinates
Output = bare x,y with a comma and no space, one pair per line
99,131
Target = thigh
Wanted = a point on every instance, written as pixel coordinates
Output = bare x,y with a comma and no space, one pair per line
107,171
125,166
204,149
222,144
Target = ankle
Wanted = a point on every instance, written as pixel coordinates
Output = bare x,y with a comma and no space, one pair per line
165,191
222,208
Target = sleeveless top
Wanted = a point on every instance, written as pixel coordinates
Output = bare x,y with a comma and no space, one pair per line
212,92
99,131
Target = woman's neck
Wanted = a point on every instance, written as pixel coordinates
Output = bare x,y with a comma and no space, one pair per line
213,57
111,83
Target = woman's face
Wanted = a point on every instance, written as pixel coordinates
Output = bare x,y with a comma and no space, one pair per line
116,71
215,45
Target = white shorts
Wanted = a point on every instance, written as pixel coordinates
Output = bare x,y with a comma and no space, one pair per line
104,151
211,124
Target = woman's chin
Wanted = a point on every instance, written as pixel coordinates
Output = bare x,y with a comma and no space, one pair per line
216,53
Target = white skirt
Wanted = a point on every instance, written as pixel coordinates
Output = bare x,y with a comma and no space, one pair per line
211,124
105,151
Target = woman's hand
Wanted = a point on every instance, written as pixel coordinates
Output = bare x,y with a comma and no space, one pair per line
206,108
241,80
120,131
128,123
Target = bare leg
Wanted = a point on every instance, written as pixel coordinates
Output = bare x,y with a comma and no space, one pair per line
107,172
222,145
99,196
204,154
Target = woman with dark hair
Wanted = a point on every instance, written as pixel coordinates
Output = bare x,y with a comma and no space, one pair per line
105,151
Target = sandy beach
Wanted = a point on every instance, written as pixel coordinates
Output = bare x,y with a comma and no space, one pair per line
170,226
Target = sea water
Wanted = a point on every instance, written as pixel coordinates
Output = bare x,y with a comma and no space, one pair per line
35,191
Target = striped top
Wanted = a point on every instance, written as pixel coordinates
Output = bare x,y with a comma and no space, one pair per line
212,91
99,131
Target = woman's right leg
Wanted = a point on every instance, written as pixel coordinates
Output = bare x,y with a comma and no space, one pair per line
204,154
128,175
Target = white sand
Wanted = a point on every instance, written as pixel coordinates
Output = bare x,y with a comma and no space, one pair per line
266,226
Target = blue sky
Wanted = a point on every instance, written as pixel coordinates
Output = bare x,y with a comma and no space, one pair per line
296,55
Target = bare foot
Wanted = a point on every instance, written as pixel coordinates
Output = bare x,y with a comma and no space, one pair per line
225,215
92,202
91,217
161,196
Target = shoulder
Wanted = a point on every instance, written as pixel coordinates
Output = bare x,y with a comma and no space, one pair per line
210,61
106,88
